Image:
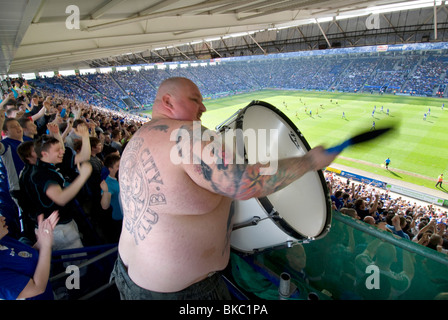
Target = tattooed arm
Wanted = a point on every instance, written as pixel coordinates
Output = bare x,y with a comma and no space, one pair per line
214,169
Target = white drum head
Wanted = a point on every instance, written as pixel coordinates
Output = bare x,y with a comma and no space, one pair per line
298,212
304,203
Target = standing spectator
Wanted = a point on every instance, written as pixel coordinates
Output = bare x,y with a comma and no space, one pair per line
92,200
112,163
29,157
8,150
363,211
396,224
337,198
29,128
107,148
50,192
13,166
74,134
116,140
386,256
71,158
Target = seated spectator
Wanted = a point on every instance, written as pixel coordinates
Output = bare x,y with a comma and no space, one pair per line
25,270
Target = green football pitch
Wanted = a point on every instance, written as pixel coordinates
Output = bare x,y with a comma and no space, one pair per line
418,147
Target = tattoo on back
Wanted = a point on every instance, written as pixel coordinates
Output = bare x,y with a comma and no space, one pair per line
140,189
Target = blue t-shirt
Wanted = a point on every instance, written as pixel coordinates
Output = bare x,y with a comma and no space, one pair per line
18,263
400,233
114,189
337,201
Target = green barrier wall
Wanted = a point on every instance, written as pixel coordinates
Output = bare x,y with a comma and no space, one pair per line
354,261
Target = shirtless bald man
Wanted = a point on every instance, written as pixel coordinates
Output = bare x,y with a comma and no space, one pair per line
177,220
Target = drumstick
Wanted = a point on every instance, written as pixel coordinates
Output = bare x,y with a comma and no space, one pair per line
363,137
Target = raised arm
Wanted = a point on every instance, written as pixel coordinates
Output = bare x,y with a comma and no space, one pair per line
62,196
212,167
44,233
84,154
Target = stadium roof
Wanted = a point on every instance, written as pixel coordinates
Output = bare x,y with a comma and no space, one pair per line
44,35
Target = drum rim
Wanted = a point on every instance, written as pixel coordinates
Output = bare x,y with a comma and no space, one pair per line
264,201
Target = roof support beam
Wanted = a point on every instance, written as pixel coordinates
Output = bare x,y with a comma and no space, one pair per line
264,51
159,5
224,43
103,9
278,8
256,7
289,5
192,50
167,13
393,27
227,7
435,20
153,51
323,33
39,12
211,48
178,50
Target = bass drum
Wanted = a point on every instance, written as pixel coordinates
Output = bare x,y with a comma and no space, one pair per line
300,212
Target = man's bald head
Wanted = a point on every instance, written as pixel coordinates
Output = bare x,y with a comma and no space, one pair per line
178,98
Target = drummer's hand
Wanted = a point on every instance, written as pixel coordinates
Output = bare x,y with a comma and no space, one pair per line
319,158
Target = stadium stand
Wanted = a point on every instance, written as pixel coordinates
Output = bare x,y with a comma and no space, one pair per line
403,73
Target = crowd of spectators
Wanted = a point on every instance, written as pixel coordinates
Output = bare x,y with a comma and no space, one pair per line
60,157
422,223
357,74
416,74
60,154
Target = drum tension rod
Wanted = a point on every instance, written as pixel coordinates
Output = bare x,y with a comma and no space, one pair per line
251,222
274,214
